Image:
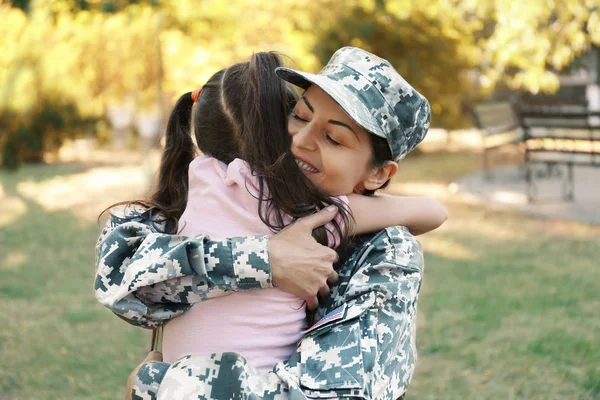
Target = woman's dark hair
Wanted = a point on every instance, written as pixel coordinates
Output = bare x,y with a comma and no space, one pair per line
241,112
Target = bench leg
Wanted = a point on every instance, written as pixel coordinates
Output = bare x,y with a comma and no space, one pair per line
487,164
531,189
569,184
487,175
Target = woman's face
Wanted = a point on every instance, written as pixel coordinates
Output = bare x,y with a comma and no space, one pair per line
332,150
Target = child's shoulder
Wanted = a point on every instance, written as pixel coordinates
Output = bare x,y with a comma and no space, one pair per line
206,164
240,173
206,170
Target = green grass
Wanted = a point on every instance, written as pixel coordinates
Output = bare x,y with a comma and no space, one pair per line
56,342
508,309
517,317
437,167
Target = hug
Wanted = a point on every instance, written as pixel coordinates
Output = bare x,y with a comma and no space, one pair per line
265,254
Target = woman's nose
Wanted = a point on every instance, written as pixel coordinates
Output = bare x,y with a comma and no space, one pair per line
305,138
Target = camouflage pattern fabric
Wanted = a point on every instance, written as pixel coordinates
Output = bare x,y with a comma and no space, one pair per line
148,380
373,94
148,278
361,347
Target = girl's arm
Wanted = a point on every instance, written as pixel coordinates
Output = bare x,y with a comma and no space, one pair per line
373,213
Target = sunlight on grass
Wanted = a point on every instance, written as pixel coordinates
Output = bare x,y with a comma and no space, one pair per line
509,197
12,208
446,248
573,229
433,189
437,167
14,260
88,192
479,223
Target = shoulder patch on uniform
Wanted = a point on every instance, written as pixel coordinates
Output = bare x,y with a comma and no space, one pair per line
334,315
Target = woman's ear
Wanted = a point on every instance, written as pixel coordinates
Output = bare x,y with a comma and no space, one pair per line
380,175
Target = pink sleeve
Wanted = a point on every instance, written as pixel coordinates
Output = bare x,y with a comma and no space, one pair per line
333,237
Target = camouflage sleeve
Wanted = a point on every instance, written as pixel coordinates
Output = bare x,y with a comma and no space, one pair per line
392,275
363,347
216,376
148,278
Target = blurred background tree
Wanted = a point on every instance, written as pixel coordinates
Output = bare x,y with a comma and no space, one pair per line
65,62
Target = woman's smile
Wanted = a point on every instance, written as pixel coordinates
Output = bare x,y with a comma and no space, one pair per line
328,146
306,167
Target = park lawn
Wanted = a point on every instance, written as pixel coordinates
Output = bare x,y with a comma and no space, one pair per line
508,310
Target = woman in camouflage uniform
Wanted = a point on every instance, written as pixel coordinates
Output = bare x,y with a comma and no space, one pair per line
363,344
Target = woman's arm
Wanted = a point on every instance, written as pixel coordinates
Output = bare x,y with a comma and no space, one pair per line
148,278
373,213
363,347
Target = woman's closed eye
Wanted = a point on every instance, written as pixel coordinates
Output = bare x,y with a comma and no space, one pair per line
331,140
298,118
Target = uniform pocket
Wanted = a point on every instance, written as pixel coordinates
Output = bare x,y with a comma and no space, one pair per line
330,355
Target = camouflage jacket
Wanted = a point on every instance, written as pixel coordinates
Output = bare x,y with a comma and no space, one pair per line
362,345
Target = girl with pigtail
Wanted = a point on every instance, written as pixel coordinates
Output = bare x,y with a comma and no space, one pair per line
249,182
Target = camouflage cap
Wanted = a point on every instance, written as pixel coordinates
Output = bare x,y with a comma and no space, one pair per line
373,94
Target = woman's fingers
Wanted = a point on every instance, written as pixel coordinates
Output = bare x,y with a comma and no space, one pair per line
329,255
320,218
324,291
312,302
332,278
300,265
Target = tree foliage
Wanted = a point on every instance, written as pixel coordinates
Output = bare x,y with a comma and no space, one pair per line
453,50
86,55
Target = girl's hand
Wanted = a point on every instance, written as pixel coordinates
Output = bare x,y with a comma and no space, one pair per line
299,265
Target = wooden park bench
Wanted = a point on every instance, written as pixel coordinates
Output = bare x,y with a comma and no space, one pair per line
559,135
499,127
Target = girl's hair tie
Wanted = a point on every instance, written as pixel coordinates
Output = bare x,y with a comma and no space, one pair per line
196,94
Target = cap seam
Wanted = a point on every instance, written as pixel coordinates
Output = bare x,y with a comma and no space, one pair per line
378,91
302,75
386,136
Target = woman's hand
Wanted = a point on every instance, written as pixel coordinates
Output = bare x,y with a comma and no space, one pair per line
299,265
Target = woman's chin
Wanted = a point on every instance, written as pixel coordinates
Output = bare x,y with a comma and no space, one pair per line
315,179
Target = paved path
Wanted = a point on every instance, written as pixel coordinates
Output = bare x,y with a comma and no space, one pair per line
507,190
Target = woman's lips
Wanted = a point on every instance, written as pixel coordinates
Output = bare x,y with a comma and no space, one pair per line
306,167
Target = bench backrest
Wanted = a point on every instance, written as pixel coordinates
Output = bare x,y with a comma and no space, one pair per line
495,118
566,96
564,122
562,134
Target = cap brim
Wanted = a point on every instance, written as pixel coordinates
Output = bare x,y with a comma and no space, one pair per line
297,78
357,110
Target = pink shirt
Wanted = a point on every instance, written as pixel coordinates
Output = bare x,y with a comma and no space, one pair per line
262,325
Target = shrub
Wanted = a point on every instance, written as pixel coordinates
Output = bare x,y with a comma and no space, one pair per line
28,135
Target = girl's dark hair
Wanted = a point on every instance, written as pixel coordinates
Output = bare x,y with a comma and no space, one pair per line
241,112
